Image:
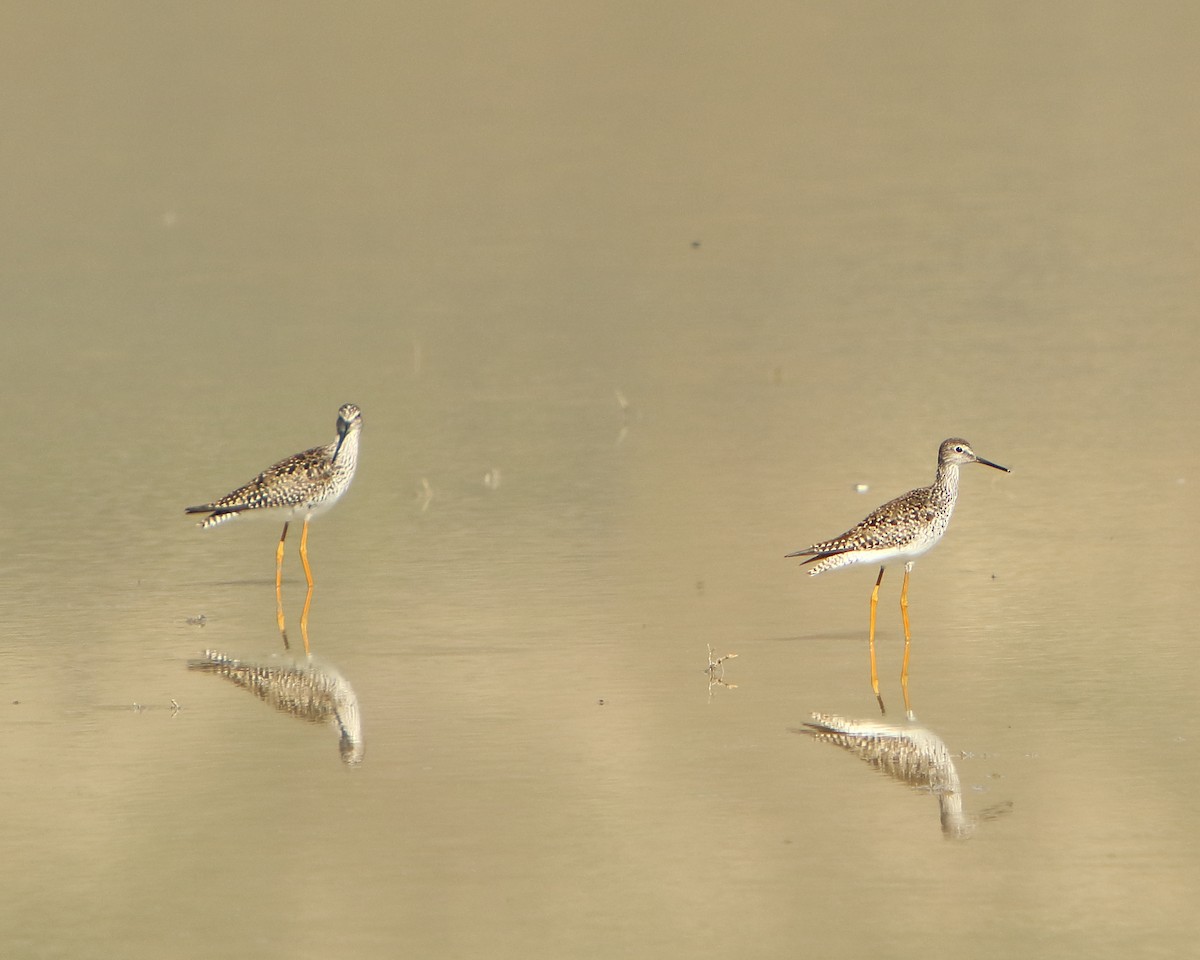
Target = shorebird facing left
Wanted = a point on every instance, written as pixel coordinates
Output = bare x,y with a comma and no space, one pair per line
303,485
905,527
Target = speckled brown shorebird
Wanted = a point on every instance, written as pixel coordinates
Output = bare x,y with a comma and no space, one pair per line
303,485
902,528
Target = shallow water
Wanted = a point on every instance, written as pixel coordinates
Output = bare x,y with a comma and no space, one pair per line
633,299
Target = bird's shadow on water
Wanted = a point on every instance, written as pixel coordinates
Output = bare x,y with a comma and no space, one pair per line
267,582
847,636
306,688
908,752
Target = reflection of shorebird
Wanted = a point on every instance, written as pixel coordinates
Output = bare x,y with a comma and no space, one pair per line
303,485
311,691
902,528
909,752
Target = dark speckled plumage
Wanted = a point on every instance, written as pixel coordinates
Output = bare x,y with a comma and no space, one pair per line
305,483
904,527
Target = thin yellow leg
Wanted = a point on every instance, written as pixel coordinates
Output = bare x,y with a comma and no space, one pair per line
907,636
279,585
304,553
871,640
308,577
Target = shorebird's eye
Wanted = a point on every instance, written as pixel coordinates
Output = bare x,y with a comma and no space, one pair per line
958,449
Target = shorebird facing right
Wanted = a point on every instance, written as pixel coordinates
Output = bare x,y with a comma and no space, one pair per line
303,485
905,527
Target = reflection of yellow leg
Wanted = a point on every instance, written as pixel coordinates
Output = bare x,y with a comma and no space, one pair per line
871,639
308,577
907,637
279,584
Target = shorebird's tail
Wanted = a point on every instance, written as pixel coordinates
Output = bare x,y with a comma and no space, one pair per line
215,514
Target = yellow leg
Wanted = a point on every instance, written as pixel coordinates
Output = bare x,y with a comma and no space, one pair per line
907,636
308,577
871,640
279,585
304,553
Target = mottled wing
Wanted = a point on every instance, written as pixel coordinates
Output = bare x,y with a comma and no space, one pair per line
887,526
289,483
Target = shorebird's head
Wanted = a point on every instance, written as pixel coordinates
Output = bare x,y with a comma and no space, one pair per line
349,421
957,451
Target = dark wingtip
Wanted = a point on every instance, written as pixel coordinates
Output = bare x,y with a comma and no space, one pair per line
815,556
214,510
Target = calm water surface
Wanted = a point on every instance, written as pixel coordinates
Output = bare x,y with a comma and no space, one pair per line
633,300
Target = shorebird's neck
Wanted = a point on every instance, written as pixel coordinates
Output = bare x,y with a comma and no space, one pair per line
945,484
347,454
